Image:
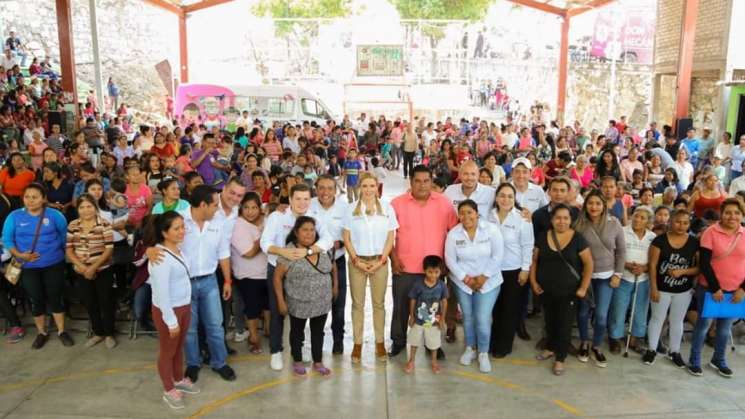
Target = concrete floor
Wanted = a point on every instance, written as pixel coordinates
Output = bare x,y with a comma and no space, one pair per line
58,382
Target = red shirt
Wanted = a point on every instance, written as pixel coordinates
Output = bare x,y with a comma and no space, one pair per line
165,151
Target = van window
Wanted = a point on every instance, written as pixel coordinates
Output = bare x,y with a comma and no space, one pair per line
258,107
311,108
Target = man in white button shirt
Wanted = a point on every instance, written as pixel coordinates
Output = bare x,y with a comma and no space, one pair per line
529,195
470,188
330,212
227,212
206,245
273,242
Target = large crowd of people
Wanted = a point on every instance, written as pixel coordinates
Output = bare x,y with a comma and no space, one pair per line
209,236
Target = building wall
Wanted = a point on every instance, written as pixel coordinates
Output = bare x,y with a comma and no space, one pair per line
709,60
133,37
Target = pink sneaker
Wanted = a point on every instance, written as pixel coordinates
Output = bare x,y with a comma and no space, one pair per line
15,335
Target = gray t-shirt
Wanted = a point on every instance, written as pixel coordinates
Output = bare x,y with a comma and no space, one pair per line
308,287
427,308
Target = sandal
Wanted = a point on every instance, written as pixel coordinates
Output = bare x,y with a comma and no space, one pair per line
254,347
544,356
298,368
558,370
450,335
436,368
321,369
409,367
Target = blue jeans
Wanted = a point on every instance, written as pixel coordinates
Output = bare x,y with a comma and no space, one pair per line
621,303
602,295
477,309
724,326
337,306
143,296
206,307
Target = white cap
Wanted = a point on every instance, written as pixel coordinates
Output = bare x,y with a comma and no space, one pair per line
524,161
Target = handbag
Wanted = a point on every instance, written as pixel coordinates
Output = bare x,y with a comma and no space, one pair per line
15,266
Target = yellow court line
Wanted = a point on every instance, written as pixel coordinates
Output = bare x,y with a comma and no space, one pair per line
518,388
82,375
212,406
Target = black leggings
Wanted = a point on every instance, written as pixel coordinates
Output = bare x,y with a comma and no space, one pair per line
558,311
45,287
297,336
98,295
6,309
408,163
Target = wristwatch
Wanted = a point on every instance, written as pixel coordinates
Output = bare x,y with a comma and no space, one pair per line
310,252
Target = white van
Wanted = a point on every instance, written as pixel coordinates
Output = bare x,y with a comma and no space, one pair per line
211,104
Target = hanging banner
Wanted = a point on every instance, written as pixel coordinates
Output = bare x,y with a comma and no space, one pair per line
380,60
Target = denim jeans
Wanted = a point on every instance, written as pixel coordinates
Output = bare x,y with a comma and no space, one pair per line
397,152
724,326
603,294
621,304
143,296
206,308
477,308
338,305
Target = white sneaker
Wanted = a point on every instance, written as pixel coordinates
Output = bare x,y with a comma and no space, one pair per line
467,357
241,336
307,357
484,363
276,361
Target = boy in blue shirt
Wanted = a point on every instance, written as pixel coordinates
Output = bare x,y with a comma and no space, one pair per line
428,302
351,173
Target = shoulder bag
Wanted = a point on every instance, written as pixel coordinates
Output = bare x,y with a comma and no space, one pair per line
575,274
15,266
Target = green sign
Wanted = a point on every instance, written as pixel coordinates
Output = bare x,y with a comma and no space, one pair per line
380,60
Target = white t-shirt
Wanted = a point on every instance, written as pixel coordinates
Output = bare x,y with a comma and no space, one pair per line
427,137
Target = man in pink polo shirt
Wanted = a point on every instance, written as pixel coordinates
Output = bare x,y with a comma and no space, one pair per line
424,218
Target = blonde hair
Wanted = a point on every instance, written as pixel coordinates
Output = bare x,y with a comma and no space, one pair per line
378,207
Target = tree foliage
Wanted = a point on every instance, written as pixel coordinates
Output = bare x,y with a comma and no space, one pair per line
303,8
443,9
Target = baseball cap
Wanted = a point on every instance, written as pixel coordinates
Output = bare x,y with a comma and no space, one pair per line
524,161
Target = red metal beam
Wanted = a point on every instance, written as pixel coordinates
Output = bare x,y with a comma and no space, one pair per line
588,6
183,49
204,4
66,50
563,70
685,59
534,4
166,5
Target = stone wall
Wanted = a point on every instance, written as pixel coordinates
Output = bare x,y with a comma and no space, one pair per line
704,98
133,37
588,94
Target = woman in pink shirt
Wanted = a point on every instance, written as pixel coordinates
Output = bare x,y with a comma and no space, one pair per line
582,172
271,146
722,252
139,195
630,164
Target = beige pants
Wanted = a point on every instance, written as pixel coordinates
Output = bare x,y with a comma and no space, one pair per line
358,287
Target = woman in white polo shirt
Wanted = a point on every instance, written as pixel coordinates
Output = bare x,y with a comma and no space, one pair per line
517,234
369,227
473,251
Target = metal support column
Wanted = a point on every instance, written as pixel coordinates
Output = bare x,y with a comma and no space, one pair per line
67,54
561,97
98,76
685,59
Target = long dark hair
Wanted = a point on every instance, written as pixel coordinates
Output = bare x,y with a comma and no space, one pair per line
102,203
614,170
303,219
12,170
156,225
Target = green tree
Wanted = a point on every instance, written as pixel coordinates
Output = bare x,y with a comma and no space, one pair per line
443,9
301,9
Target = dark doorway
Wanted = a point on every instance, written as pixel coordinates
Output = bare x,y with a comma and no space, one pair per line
740,129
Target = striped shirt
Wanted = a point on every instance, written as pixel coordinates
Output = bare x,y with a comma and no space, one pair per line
90,245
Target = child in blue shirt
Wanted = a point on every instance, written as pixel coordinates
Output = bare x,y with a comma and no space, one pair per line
351,173
428,303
